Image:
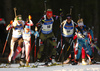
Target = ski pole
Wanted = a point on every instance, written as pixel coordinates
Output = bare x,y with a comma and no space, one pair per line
61,52
61,33
6,42
61,25
35,49
36,35
30,28
38,32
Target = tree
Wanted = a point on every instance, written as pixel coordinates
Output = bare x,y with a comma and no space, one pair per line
8,14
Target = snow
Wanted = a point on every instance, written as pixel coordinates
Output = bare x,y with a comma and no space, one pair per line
66,67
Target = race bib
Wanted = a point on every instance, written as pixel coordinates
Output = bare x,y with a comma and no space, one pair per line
47,27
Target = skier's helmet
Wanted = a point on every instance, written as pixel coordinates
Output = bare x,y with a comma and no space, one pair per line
80,22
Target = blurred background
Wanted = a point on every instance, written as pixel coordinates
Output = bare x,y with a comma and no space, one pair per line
88,10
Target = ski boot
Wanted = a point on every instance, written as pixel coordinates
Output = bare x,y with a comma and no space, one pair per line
48,62
27,64
36,64
74,63
90,62
67,61
53,62
93,61
83,62
8,65
22,63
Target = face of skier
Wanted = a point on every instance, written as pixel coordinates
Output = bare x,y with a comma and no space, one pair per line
48,17
19,18
49,14
26,30
68,19
81,27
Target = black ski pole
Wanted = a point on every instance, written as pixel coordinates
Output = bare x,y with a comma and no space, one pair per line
61,33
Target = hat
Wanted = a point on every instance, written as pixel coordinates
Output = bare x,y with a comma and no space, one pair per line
80,22
69,16
49,13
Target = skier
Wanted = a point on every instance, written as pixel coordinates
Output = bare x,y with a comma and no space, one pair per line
26,35
68,31
26,38
83,43
47,35
17,26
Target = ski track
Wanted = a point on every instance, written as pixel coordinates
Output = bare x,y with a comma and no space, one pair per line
54,68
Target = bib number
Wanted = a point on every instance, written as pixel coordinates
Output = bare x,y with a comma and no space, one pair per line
19,32
68,31
48,26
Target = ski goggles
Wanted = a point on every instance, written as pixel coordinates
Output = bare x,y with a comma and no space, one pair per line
19,18
69,17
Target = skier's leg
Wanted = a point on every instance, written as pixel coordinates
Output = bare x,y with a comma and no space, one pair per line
79,51
53,44
73,62
83,57
27,51
67,49
23,51
41,48
13,40
20,43
19,49
87,50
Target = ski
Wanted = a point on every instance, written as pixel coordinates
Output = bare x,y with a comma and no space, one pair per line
41,65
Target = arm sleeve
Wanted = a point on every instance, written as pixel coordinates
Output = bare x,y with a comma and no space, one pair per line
9,27
30,23
36,33
32,32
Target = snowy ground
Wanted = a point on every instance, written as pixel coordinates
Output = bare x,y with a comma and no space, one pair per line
55,68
